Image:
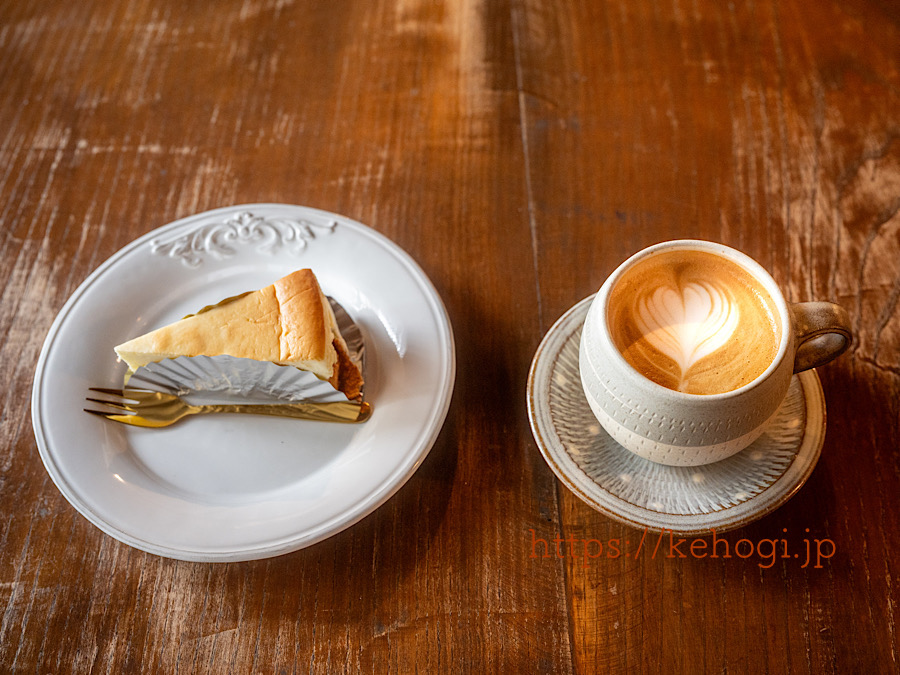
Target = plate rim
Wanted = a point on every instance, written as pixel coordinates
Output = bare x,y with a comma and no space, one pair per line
294,541
814,399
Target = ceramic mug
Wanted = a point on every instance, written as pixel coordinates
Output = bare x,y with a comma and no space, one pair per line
677,428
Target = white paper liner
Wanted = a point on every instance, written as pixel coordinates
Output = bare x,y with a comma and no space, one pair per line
224,378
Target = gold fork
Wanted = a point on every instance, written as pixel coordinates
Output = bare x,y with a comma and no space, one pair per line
155,409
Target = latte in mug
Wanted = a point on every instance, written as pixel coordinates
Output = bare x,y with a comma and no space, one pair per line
694,321
698,317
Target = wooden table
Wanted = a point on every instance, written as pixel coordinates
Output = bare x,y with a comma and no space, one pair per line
518,151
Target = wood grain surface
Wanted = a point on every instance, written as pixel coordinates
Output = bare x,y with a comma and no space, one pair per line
518,150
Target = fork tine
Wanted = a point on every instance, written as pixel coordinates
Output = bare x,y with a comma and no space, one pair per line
97,412
133,420
112,404
108,415
100,413
136,395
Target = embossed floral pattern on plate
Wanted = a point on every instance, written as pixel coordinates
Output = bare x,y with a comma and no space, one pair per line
269,234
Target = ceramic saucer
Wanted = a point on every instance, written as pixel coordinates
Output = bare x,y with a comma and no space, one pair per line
686,500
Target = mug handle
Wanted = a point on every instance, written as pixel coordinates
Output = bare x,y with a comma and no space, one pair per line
822,333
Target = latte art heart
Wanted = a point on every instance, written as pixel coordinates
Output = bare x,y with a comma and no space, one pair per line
689,323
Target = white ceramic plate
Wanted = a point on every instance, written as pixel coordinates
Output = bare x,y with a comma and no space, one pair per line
242,487
685,500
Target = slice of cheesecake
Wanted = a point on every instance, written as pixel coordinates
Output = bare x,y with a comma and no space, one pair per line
289,323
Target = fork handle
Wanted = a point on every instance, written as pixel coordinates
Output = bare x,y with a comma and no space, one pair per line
339,411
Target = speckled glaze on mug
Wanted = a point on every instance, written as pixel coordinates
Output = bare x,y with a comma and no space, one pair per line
679,429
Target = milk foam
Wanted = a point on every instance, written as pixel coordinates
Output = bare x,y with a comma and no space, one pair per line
688,323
